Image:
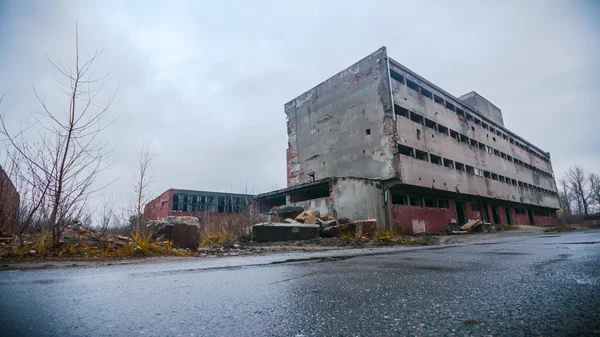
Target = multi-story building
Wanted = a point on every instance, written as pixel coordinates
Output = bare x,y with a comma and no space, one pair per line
201,204
379,141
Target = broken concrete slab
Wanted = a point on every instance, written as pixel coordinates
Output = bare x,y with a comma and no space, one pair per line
270,231
183,231
471,224
288,220
309,216
366,227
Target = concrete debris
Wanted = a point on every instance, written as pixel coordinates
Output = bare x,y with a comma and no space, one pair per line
308,217
183,231
366,227
288,220
471,224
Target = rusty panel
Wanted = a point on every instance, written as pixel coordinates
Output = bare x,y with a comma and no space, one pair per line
413,219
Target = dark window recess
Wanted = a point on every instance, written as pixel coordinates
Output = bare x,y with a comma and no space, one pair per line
405,150
464,139
494,176
450,106
443,203
505,137
476,121
368,131
475,207
438,99
436,159
520,184
460,112
399,199
470,169
448,163
412,85
416,201
519,211
421,155
429,123
502,179
426,93
514,182
469,117
512,141
497,153
416,118
459,166
499,133
485,126
474,143
492,130
487,174
443,129
309,193
430,202
482,146
400,111
454,135
397,76
503,155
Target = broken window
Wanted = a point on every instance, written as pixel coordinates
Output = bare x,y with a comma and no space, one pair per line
482,146
464,138
476,207
448,163
514,182
503,155
399,199
476,121
421,155
490,150
400,111
443,203
416,118
494,176
368,132
416,201
497,153
426,93
479,172
509,158
512,141
460,112
520,184
459,166
412,85
498,133
436,159
397,76
454,135
486,174
450,106
485,126
469,117
310,192
443,129
502,179
470,169
429,123
405,150
430,202
474,143
438,99
504,136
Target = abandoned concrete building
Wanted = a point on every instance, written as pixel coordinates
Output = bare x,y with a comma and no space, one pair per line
379,141
201,204
9,203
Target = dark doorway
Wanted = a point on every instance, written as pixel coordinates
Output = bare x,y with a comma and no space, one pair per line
495,215
508,215
460,212
531,220
484,212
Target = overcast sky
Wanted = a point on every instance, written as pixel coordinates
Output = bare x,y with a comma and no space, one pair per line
205,81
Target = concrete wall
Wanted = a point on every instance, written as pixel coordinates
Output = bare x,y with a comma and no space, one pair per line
359,199
323,205
484,106
337,128
9,203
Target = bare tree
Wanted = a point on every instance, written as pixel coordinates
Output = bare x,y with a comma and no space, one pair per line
578,183
595,187
65,157
565,196
143,179
107,215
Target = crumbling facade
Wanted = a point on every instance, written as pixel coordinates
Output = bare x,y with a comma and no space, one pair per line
390,145
201,204
9,203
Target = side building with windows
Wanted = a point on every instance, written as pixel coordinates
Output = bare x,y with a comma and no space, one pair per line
200,204
379,141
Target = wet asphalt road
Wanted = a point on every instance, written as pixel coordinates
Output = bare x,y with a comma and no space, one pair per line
544,284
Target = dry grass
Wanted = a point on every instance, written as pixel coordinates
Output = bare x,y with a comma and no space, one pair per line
511,227
219,239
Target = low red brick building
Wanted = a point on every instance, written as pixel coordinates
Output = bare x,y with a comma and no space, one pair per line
9,203
201,204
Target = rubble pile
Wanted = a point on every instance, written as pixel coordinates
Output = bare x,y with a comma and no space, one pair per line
183,231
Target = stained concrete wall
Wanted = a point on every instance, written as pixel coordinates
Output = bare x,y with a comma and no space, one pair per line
336,129
359,199
484,106
323,205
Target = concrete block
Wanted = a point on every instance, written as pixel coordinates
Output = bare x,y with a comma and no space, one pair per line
269,231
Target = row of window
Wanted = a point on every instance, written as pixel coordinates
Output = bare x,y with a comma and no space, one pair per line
461,113
422,155
413,200
415,117
218,204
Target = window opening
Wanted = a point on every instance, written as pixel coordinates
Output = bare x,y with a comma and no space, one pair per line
421,155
